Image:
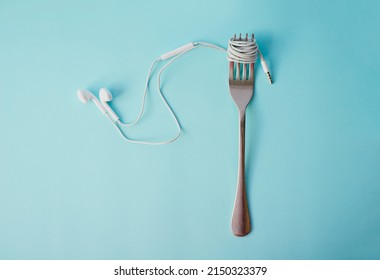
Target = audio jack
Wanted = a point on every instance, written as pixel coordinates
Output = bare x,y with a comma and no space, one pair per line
265,68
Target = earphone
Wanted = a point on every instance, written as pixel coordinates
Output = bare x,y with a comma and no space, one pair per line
237,51
85,96
105,96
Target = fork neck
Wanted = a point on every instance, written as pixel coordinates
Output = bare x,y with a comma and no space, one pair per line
242,112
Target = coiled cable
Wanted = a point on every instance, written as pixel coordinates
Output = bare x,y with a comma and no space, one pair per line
242,51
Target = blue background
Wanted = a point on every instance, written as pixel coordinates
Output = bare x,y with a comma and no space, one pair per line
71,188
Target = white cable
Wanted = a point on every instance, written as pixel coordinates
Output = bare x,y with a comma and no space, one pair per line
208,45
119,123
242,51
143,97
116,125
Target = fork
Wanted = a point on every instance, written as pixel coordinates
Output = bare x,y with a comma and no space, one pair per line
241,89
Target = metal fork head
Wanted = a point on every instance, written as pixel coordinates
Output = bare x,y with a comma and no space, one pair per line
241,79
241,71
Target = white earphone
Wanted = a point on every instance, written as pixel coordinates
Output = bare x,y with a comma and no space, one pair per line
105,96
85,96
250,53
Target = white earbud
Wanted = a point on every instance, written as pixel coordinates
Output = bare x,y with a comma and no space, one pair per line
84,96
106,96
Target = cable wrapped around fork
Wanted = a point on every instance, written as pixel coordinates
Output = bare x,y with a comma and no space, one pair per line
243,50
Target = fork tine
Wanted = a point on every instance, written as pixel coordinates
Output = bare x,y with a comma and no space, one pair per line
237,71
251,69
231,72
244,76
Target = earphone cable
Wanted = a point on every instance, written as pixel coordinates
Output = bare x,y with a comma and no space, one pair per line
143,97
196,44
175,118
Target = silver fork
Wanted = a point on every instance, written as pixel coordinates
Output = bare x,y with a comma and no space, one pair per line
241,89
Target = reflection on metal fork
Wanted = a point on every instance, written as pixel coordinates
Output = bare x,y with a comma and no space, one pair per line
241,80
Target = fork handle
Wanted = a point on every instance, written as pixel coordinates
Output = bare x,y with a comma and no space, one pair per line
240,224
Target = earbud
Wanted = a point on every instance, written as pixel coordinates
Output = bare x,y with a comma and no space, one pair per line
85,96
106,96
